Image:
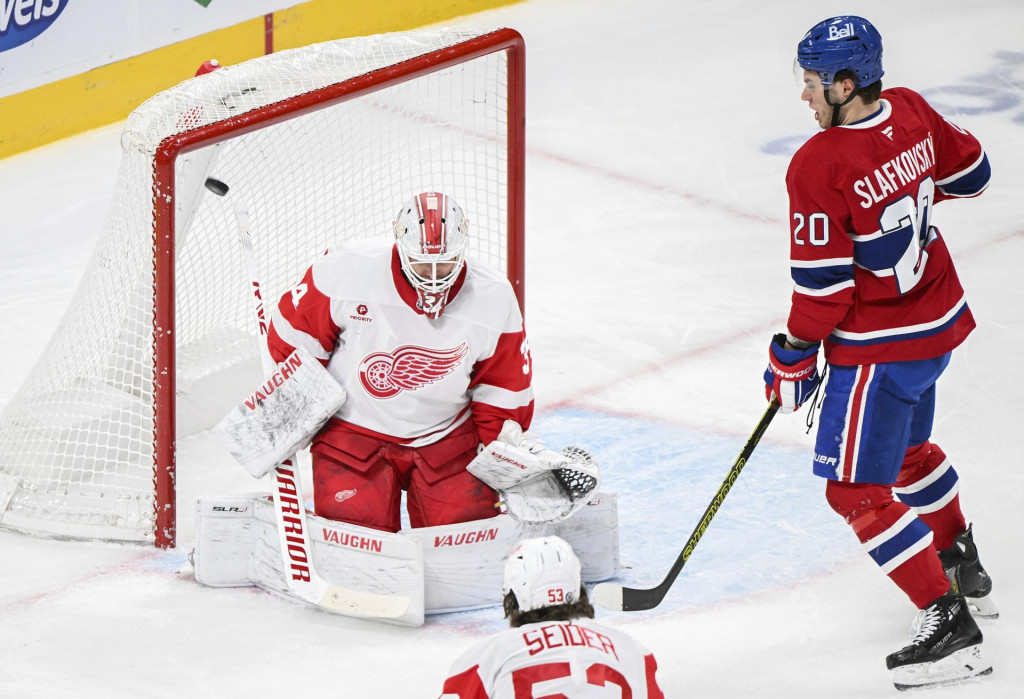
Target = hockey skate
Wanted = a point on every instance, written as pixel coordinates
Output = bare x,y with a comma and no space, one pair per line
964,570
946,647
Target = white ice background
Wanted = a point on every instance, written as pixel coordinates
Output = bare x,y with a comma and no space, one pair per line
658,138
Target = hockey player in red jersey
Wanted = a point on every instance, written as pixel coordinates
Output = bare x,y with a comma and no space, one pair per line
432,353
552,644
874,282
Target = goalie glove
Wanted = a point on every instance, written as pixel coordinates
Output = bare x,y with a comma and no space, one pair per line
538,485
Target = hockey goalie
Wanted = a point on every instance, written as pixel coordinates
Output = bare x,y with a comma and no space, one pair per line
404,369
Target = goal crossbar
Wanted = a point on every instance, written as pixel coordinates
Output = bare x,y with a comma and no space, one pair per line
188,132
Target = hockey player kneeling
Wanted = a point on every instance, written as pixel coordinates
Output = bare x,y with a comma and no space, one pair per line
429,356
553,641
435,569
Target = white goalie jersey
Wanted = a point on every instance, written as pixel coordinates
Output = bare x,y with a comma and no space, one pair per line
407,377
578,659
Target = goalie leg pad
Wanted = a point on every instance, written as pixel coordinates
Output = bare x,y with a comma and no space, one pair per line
348,555
241,546
593,533
224,541
447,568
464,564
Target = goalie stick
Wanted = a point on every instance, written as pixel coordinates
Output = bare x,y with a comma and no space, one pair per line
299,570
627,599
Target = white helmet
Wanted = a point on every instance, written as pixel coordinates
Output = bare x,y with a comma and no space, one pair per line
431,233
542,572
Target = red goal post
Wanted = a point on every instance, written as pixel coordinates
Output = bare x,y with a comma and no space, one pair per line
324,143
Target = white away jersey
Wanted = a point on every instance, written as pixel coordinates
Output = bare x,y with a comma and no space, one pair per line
581,659
410,379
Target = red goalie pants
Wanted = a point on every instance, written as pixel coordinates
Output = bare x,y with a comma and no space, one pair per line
359,479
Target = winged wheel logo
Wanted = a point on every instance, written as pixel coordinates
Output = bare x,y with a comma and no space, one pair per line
386,374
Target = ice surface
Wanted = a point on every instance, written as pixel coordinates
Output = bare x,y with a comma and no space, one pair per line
658,133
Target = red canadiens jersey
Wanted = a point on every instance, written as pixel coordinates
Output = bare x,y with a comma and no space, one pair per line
872,277
579,659
410,379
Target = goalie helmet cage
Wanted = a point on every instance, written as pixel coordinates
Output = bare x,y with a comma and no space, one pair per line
323,143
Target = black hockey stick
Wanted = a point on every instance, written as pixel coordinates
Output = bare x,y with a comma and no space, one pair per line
614,596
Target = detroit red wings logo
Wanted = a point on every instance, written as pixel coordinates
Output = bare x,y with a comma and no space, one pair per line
386,374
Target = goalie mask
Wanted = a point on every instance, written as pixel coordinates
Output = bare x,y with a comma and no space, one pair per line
542,572
431,232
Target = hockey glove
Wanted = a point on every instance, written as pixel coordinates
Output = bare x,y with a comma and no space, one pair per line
792,374
536,484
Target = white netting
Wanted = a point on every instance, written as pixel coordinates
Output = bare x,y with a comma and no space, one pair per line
77,440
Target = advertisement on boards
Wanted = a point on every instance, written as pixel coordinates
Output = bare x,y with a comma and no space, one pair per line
42,41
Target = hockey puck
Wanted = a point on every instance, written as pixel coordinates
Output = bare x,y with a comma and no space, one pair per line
216,186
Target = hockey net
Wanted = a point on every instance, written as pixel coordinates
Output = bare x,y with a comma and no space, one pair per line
324,143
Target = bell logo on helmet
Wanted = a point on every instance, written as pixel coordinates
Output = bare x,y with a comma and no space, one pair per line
846,42
844,32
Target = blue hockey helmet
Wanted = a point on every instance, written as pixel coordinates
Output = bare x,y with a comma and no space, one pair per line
844,42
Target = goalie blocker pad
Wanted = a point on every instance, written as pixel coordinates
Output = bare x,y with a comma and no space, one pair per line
441,569
281,416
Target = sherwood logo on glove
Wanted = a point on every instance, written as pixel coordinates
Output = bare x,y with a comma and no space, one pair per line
780,371
21,21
